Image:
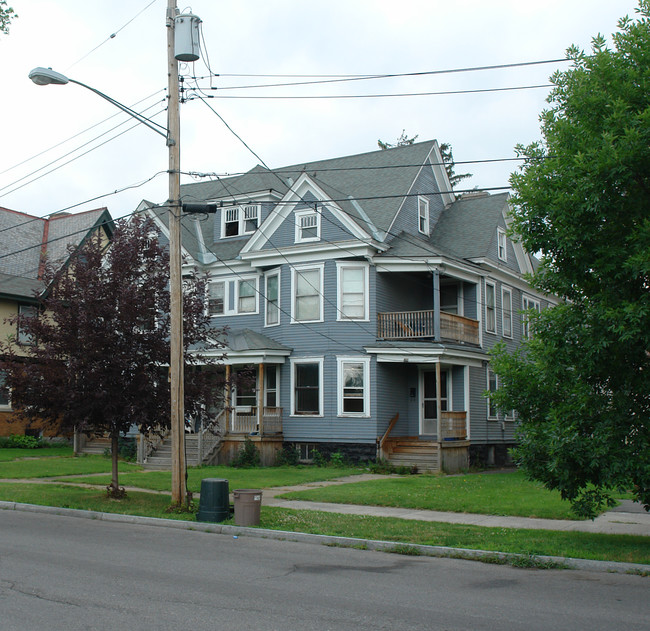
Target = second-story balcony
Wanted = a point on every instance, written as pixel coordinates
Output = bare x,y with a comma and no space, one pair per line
413,325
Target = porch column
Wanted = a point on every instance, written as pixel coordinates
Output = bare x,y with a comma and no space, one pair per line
436,306
226,399
438,403
260,399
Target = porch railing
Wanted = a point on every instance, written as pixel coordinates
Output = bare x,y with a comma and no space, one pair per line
244,420
453,426
405,325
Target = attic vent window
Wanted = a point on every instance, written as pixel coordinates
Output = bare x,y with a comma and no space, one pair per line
307,226
239,220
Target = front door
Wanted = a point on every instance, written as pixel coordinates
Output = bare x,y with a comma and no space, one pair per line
429,399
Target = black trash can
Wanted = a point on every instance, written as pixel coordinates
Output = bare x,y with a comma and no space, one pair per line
247,506
214,504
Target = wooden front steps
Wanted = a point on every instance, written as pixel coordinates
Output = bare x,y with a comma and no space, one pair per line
413,452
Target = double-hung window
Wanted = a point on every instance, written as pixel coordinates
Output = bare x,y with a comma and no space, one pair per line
307,226
307,387
490,308
272,295
216,298
527,304
239,220
502,249
353,291
353,388
506,311
307,290
246,296
423,215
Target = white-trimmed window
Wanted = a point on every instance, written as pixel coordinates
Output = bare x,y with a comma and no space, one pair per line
528,303
216,298
506,311
238,220
247,295
352,291
490,307
492,386
307,226
353,386
24,312
307,292
502,245
271,385
423,215
272,297
307,386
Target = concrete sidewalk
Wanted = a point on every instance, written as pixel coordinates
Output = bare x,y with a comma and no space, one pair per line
627,519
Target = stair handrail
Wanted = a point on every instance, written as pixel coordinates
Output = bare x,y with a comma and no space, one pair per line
210,428
152,444
382,440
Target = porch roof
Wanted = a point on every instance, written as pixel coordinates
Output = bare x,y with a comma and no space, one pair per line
245,346
426,353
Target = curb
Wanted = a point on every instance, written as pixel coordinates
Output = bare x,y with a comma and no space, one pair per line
520,560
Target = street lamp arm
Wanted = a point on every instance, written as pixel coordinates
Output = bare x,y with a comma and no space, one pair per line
47,76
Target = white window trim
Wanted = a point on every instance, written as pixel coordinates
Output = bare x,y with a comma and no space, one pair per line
225,298
426,215
506,290
299,214
365,361
275,272
533,303
502,240
496,381
277,386
494,287
340,266
307,360
241,212
294,271
256,294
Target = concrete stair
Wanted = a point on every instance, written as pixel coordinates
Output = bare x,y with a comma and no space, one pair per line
412,452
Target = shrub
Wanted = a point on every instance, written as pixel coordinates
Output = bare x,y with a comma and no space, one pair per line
248,456
17,441
288,456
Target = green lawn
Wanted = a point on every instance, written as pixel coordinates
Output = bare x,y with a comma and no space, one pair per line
623,548
11,453
489,493
259,478
47,467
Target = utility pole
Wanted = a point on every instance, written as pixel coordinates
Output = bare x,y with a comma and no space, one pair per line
176,362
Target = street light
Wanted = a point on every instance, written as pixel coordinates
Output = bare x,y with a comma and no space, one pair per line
47,76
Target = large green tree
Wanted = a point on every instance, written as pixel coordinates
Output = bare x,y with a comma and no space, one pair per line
582,198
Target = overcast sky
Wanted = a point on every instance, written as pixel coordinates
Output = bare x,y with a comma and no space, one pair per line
272,37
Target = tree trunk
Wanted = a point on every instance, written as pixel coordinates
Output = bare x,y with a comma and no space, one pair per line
114,490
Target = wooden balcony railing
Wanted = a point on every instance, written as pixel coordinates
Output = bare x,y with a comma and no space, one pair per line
244,420
406,325
453,426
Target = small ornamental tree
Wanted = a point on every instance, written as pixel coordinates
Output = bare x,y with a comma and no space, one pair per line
582,384
98,362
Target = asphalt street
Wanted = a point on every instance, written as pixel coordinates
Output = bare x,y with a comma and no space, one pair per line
59,572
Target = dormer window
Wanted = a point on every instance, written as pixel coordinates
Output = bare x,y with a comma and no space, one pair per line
239,220
307,226
423,215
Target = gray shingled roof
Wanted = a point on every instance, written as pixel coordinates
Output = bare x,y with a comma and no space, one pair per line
385,176
240,340
17,286
466,228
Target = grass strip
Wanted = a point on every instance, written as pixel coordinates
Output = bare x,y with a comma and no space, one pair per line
490,493
579,545
622,548
60,465
258,478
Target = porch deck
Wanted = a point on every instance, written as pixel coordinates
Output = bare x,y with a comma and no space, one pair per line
412,325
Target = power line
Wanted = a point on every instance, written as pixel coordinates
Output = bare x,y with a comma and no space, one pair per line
349,78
